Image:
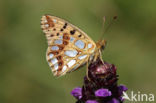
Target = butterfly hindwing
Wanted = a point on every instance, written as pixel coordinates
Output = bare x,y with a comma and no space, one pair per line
68,46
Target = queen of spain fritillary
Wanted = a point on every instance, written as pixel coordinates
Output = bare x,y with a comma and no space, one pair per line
68,46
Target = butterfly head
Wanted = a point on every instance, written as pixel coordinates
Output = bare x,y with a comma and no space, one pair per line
101,44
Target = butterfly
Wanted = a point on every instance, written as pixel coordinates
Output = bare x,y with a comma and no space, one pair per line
68,46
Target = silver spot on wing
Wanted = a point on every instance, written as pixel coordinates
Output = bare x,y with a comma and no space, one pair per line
46,25
77,65
71,63
72,39
59,41
71,53
54,61
54,48
89,45
64,68
82,57
80,44
51,55
56,66
54,20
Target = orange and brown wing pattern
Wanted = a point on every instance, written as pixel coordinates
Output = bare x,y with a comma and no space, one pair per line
68,46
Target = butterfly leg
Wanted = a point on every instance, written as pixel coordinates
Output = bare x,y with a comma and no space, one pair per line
100,54
87,70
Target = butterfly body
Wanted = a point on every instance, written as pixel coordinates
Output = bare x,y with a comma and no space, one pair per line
68,46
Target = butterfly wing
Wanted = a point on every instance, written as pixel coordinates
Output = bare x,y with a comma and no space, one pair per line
68,46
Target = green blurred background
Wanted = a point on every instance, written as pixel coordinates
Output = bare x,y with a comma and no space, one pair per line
25,76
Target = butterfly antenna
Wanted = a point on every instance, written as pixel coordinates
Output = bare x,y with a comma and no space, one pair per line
102,29
107,28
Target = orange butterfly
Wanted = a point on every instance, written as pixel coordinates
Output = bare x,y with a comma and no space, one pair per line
68,46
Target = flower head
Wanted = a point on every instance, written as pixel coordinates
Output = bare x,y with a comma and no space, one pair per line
101,87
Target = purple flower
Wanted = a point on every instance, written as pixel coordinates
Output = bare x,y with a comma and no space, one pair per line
103,93
77,92
100,86
113,101
122,88
91,101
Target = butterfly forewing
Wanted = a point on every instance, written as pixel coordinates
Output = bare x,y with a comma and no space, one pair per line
68,46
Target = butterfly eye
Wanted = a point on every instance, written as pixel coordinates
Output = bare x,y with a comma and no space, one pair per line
102,47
